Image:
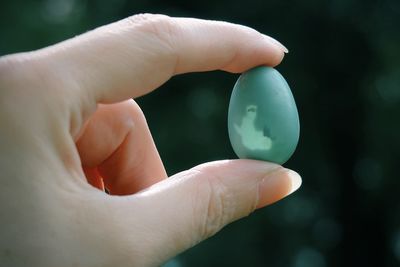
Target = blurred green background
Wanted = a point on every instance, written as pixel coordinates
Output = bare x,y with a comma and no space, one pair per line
344,71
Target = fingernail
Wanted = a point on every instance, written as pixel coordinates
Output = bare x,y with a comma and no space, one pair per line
295,180
277,43
277,185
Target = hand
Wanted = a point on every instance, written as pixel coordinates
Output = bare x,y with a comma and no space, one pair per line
69,128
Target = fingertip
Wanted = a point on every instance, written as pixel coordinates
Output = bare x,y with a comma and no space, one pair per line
275,42
264,50
277,185
275,51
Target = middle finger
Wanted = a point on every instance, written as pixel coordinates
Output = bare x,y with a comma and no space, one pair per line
117,143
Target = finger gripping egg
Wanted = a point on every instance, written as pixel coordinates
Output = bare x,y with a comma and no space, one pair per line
263,122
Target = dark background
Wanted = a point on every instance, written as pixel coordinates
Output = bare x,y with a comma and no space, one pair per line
344,71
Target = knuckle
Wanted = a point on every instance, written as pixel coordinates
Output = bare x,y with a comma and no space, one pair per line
161,26
30,75
11,73
217,209
161,31
144,18
27,82
134,115
18,81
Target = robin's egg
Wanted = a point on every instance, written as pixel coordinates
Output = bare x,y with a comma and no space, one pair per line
263,122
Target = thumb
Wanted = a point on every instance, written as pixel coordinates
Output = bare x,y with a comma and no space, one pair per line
191,206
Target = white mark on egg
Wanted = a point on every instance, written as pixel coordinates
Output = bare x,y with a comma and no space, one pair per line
251,137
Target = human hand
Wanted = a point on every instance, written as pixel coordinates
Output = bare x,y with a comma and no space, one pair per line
66,120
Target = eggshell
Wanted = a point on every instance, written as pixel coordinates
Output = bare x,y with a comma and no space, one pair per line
263,122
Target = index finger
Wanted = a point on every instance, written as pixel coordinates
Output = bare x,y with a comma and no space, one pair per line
134,56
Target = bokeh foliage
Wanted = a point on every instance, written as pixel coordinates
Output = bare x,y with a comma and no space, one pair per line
344,70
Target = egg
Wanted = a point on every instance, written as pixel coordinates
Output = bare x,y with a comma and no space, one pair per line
263,122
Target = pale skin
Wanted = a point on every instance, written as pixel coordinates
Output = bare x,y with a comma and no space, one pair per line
69,128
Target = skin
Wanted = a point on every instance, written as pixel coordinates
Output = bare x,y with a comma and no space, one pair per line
69,128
